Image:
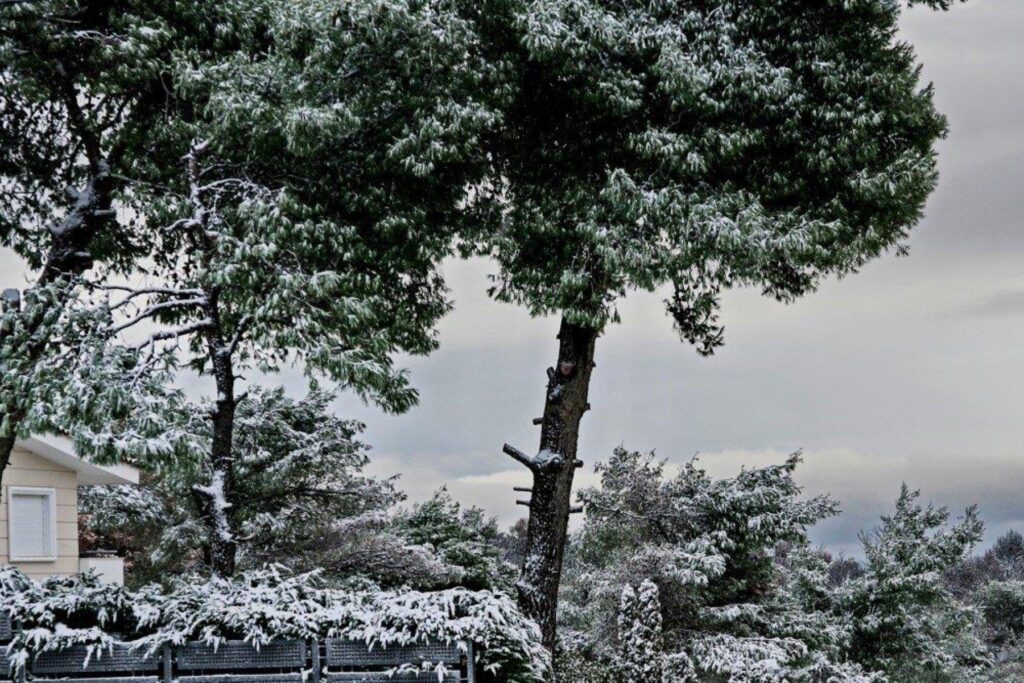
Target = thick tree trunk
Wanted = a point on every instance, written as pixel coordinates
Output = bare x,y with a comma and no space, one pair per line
553,469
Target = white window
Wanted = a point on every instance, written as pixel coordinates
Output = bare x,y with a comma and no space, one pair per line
32,524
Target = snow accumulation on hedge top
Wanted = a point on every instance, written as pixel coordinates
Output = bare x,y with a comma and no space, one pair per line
261,606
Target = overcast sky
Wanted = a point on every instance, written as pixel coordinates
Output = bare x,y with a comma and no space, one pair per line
909,371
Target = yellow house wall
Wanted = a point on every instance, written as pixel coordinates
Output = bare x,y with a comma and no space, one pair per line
28,469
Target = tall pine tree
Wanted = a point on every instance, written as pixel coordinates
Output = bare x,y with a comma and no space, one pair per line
698,146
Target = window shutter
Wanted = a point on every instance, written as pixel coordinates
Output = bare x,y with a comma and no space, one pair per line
31,530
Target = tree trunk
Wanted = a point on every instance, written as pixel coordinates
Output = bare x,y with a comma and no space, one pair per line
221,528
6,448
553,469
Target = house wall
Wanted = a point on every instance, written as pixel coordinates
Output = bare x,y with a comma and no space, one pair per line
28,469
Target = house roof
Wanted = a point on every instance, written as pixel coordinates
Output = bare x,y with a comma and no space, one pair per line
59,450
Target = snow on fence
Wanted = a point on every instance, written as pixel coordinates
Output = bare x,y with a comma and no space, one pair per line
280,661
262,626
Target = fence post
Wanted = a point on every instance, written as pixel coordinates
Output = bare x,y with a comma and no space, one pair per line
315,653
168,665
470,663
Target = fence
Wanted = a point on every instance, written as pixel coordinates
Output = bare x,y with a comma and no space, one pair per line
283,661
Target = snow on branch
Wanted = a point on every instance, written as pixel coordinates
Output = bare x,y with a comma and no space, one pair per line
153,309
542,460
175,333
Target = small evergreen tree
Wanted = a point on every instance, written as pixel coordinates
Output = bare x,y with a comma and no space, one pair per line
641,651
298,476
904,620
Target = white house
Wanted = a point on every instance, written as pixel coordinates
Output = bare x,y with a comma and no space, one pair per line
39,509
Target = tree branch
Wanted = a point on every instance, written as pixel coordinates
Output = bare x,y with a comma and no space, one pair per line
153,310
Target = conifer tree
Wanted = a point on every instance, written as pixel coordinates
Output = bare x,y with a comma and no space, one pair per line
696,147
731,604
641,651
905,622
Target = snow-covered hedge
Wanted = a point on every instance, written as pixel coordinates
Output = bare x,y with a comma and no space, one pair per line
260,606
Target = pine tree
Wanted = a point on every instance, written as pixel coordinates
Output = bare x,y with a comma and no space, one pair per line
692,146
904,620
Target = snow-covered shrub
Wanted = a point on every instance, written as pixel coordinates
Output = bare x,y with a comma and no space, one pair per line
575,662
262,605
464,539
729,608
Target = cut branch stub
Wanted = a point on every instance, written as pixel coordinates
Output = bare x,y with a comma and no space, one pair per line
523,502
522,489
542,461
576,510
519,456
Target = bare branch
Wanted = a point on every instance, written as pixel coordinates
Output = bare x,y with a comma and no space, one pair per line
152,310
176,333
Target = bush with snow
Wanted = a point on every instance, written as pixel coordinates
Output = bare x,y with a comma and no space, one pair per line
262,605
729,608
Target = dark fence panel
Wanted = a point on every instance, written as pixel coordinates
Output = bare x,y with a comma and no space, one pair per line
242,678
382,677
241,656
6,632
353,653
119,659
239,662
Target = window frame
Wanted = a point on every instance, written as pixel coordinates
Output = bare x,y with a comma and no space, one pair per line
39,491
